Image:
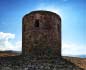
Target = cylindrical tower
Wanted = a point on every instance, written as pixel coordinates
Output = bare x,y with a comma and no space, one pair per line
41,36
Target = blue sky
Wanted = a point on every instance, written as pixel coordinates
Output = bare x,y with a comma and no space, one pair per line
72,12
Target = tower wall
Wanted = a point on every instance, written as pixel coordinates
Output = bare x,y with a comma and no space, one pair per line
41,36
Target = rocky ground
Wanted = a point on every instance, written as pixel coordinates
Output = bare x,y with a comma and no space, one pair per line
29,63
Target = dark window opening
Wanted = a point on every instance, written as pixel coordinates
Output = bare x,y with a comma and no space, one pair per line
37,23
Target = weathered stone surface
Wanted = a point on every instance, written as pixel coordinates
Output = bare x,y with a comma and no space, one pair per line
42,34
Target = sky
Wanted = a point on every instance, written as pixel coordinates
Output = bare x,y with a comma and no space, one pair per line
72,13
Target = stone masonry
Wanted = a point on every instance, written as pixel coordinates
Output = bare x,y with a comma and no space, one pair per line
42,34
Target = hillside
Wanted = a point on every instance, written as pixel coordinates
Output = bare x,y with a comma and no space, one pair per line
81,62
8,53
16,62
29,63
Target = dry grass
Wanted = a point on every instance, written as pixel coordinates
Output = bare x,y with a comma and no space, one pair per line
81,62
7,54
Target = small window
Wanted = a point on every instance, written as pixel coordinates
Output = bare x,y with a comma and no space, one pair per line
36,23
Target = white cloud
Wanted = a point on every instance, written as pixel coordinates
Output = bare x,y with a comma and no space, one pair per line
6,44
6,35
69,49
18,46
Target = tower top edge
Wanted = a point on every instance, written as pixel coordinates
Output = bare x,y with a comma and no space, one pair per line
42,11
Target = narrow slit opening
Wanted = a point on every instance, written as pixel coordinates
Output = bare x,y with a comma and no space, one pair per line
37,23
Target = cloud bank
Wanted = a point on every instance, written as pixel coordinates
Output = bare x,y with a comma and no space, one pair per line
69,49
6,43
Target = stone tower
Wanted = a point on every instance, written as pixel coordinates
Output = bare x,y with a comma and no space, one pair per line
41,36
